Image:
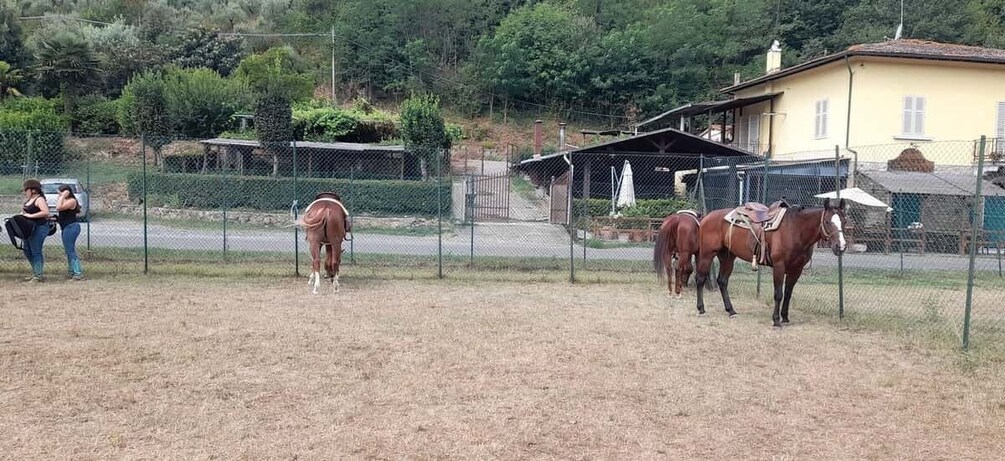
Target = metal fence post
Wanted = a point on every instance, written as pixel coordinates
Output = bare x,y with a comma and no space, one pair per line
296,230
146,246
764,199
90,200
572,227
837,188
352,201
439,217
973,248
223,188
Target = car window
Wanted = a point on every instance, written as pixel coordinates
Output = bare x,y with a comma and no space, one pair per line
50,188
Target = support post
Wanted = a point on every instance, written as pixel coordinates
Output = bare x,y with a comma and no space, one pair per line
973,249
837,189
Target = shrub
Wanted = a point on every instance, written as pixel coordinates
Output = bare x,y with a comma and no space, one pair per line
655,209
318,121
31,130
276,194
95,114
200,102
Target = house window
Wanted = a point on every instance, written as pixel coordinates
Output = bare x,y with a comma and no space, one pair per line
753,132
914,116
820,130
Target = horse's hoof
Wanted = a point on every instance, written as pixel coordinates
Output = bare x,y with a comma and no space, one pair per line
785,320
732,315
777,325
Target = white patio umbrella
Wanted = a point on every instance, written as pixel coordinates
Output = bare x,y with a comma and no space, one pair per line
626,193
857,195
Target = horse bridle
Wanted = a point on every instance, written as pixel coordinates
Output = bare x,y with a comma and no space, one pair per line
823,227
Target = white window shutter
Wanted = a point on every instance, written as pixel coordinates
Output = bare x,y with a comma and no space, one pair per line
754,132
823,117
919,115
908,115
1000,127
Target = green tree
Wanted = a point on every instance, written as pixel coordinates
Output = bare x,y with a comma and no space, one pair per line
423,130
276,80
150,111
10,78
121,53
988,25
205,47
538,53
11,45
67,60
200,102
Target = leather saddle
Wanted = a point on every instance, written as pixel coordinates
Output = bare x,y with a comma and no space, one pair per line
759,219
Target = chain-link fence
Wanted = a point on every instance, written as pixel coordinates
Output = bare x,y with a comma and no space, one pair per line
924,234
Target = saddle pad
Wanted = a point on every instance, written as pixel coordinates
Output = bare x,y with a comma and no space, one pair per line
326,199
769,226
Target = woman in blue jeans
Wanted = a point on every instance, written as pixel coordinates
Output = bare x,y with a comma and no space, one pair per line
68,208
36,209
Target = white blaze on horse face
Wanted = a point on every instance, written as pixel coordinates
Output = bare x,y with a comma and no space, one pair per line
837,225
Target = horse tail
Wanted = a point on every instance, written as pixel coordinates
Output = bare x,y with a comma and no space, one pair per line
661,244
664,240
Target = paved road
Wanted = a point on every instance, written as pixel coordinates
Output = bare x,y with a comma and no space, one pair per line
512,240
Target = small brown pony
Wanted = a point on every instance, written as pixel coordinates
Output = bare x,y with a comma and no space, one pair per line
789,248
676,244
325,222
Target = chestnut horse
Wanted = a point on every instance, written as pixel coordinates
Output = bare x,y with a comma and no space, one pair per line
325,222
789,248
676,244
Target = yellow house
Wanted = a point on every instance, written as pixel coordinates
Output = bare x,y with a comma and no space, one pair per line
895,93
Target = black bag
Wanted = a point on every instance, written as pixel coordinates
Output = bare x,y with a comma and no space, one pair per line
18,227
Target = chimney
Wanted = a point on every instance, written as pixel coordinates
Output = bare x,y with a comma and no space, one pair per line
736,78
561,136
774,63
537,138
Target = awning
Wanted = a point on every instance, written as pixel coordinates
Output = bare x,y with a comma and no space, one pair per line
857,195
697,108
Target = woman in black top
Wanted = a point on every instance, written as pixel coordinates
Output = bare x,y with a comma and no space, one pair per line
68,208
36,209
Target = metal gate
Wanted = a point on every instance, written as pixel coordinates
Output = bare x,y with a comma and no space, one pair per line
488,197
559,200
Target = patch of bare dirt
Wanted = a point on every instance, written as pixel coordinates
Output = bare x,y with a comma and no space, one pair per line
197,368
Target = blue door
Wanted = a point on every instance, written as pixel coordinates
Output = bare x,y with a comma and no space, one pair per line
994,217
906,210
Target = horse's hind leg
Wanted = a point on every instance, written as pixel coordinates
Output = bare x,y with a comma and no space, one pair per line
336,264
315,278
701,274
679,276
329,261
726,260
671,271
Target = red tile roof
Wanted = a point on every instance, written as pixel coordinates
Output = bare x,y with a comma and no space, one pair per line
903,48
928,48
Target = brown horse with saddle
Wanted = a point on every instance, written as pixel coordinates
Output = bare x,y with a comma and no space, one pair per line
325,222
779,236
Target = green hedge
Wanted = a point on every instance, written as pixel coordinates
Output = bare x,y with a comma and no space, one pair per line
262,193
659,208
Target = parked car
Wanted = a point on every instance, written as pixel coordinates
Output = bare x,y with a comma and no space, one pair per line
50,187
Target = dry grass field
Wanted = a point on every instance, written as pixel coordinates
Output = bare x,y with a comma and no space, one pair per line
185,367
